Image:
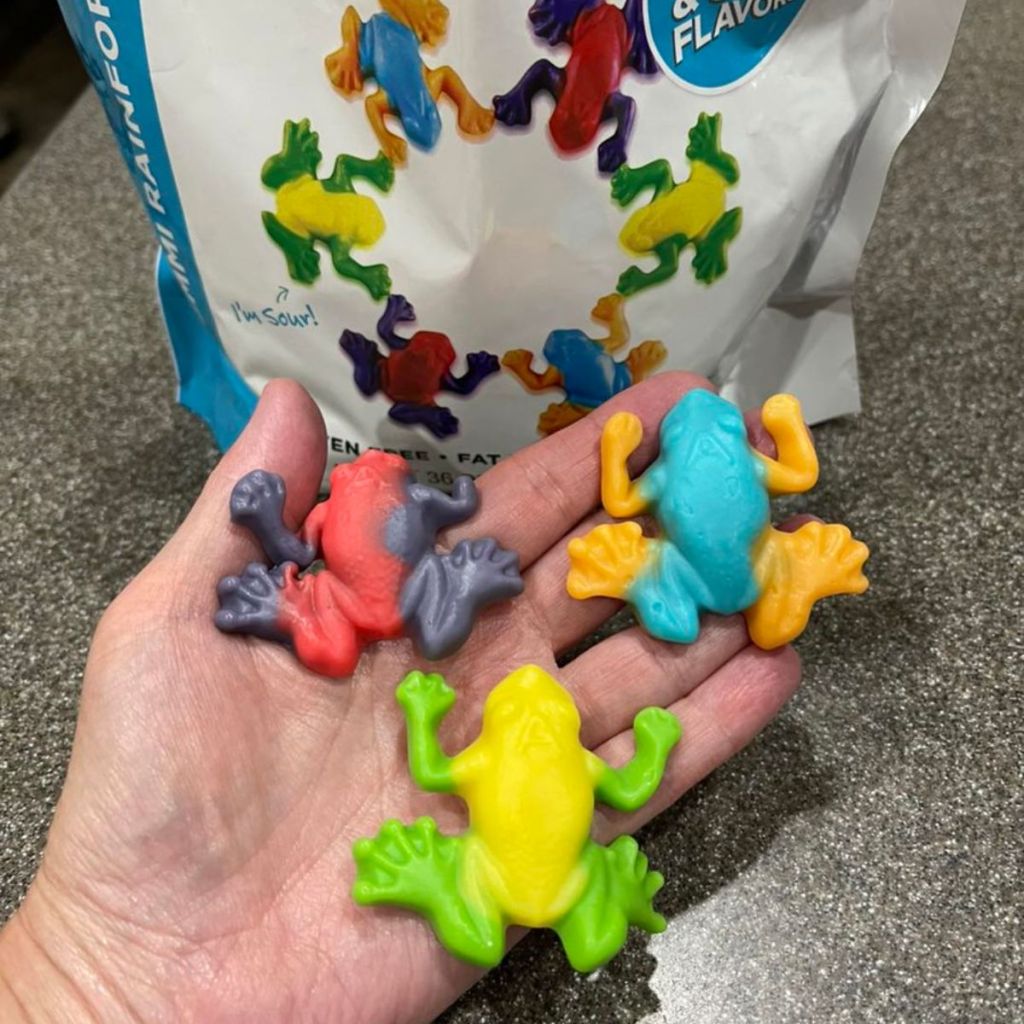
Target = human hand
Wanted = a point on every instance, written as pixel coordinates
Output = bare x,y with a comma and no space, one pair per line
199,866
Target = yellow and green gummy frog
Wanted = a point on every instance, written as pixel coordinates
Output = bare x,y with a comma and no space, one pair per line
527,857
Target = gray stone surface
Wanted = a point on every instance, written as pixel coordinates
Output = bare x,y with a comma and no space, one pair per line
861,862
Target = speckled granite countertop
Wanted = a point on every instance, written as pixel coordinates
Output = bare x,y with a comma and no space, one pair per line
862,861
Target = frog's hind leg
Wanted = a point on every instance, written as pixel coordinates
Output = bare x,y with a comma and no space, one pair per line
636,279
475,120
619,892
645,359
416,867
515,107
558,416
444,595
611,154
607,561
710,261
301,258
379,172
375,279
794,570
393,146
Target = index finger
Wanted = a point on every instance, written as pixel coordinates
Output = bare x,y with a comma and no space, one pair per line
530,500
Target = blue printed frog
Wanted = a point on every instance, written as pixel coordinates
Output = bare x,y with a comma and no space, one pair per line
387,49
583,367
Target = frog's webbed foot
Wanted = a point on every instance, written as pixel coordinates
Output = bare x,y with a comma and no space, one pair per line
645,359
606,562
710,261
366,360
416,867
619,893
515,107
251,603
257,503
441,422
442,598
797,569
558,416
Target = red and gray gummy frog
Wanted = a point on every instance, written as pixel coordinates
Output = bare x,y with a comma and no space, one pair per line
382,577
414,370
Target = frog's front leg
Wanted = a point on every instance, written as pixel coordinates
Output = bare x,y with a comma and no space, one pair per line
520,362
628,788
621,436
416,867
479,366
619,892
397,310
515,107
795,467
645,359
301,258
426,699
629,182
366,360
375,279
257,503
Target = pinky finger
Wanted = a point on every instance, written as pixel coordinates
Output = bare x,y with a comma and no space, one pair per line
719,719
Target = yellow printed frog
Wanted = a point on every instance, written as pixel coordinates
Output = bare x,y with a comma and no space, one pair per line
692,212
527,857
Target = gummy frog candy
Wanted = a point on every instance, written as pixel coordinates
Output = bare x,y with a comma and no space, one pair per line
328,210
415,370
387,49
583,367
677,215
604,40
709,492
527,857
382,577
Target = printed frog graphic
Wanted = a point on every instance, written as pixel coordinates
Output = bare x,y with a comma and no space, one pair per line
690,213
709,492
527,857
415,371
381,578
583,367
327,210
387,49
604,41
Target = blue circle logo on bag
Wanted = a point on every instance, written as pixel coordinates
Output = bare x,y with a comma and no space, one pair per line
710,46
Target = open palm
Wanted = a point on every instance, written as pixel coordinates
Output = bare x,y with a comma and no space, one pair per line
199,864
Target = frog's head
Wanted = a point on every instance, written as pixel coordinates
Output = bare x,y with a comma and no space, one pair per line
564,348
427,18
529,714
702,417
553,20
373,474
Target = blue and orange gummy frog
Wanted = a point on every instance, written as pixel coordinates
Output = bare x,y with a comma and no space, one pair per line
415,370
387,49
527,857
583,367
709,492
381,578
604,40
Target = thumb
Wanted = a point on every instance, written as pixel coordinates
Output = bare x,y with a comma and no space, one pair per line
286,435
